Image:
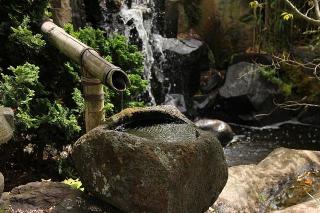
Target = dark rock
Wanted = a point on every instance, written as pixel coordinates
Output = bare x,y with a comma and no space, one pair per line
310,115
177,67
306,53
151,160
219,128
252,188
176,100
53,197
226,26
201,102
254,58
212,83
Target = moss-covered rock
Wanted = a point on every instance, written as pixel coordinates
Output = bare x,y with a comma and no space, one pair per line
151,160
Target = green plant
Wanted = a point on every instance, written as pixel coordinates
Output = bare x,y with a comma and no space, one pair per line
74,183
272,75
22,91
117,50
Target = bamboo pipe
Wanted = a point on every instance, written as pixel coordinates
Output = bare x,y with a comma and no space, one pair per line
96,71
88,58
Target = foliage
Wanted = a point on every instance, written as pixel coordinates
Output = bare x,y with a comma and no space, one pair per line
286,16
23,92
23,36
272,75
74,183
117,50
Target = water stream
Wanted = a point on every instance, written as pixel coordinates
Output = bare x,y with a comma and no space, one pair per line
253,144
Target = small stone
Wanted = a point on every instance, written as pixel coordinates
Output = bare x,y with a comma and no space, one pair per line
219,128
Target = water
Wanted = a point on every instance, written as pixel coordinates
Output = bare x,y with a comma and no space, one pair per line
251,145
165,132
136,14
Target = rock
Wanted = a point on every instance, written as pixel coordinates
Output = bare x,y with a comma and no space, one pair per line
53,197
254,58
252,95
176,100
310,116
62,12
151,160
251,188
6,124
244,80
226,26
219,128
1,183
177,67
311,206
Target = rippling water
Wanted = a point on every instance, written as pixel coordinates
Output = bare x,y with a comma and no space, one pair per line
251,145
170,132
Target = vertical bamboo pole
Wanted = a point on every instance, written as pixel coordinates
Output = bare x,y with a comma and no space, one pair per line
94,101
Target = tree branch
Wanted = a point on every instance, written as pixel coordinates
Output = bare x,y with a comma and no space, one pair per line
317,9
301,15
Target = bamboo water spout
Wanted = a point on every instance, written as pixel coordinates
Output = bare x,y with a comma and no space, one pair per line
91,61
96,71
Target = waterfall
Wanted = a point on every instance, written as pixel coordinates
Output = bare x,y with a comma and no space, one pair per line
135,14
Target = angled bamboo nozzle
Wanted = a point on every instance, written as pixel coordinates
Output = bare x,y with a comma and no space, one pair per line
107,73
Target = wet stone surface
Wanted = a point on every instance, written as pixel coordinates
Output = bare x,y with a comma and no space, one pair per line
166,133
303,188
251,145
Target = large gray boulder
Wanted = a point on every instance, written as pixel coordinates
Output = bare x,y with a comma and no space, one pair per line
254,188
177,67
151,160
50,197
244,80
6,124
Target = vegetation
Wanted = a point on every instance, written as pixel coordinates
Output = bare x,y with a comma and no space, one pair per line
278,24
44,87
75,184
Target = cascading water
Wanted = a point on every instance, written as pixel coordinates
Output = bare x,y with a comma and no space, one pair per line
135,14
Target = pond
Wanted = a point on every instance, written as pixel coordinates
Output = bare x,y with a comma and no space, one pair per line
253,144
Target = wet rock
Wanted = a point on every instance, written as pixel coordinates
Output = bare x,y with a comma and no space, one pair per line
45,197
1,183
6,124
176,100
252,188
151,160
243,80
177,67
219,128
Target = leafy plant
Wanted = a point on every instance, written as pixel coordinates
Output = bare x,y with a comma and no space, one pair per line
22,91
117,50
74,183
272,75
